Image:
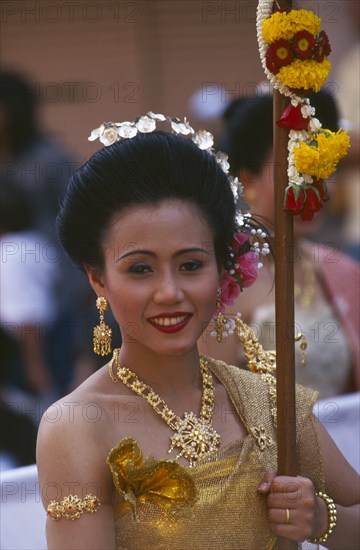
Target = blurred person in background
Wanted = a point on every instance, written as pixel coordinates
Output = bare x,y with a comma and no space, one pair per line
39,165
27,306
326,281
28,156
27,283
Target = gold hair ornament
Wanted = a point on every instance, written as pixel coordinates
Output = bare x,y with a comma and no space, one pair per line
332,517
193,435
72,507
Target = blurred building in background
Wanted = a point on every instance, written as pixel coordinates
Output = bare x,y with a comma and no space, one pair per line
93,61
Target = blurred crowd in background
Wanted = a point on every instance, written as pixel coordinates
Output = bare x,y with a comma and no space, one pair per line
47,310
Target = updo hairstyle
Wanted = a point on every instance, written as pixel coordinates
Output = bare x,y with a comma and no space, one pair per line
144,170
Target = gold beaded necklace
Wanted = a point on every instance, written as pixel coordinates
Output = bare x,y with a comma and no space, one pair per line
194,435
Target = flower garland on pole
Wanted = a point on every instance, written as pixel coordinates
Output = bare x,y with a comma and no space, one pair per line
293,52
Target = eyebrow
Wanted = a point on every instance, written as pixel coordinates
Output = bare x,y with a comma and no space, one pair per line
153,255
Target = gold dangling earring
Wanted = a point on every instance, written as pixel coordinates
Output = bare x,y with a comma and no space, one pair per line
102,333
220,319
303,346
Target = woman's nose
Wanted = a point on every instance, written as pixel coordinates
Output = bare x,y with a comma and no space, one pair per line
168,291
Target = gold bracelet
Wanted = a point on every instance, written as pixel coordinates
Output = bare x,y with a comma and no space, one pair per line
72,507
332,517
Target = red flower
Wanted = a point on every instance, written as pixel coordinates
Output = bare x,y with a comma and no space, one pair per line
247,268
322,188
324,41
239,243
303,43
294,199
279,55
323,48
312,204
230,290
292,119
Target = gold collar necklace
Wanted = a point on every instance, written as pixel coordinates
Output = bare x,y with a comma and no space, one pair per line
194,435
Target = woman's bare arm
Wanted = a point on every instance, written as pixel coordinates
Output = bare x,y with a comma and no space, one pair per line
71,460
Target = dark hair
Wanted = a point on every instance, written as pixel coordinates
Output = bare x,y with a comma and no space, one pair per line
146,169
20,106
248,133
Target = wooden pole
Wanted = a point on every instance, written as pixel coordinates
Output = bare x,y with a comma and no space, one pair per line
284,305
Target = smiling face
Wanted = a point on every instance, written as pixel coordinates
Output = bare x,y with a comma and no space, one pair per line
160,276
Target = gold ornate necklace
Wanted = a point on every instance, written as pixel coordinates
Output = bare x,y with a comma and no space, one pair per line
194,435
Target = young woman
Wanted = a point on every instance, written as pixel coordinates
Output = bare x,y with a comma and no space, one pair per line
168,448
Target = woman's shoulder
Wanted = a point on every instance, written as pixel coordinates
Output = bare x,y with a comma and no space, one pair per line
73,440
83,411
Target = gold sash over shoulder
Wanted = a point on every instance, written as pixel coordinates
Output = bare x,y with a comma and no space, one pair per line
215,503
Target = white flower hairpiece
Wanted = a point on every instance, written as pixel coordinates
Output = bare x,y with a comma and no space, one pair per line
110,132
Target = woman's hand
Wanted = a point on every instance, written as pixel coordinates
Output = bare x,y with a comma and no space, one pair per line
294,511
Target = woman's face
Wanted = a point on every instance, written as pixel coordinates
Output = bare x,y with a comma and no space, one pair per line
160,276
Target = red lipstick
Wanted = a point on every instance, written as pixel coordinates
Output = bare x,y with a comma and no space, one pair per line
170,322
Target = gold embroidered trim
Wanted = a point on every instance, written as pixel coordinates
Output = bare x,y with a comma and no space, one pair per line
262,439
72,507
271,381
259,360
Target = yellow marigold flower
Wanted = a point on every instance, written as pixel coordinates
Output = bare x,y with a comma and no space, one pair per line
307,74
286,25
321,160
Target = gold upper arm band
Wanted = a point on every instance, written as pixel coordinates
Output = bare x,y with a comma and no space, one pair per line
72,507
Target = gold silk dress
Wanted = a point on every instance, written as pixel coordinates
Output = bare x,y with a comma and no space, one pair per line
162,505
